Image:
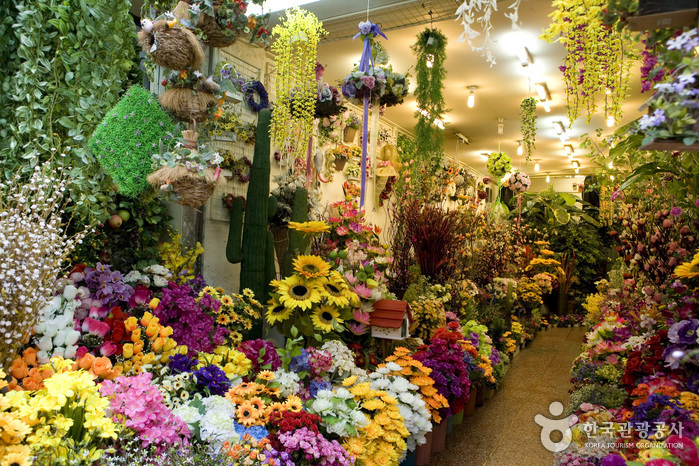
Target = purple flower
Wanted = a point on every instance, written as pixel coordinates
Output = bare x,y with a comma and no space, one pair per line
365,27
181,363
348,89
317,385
212,379
261,353
300,363
684,332
676,211
673,355
613,460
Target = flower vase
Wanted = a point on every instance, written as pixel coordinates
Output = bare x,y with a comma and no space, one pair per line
489,392
458,418
470,407
439,436
349,134
450,425
422,452
480,396
409,459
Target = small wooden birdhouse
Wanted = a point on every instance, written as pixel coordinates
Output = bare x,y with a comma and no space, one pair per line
391,319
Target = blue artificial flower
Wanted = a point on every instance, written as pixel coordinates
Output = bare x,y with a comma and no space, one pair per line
213,379
300,363
317,385
181,363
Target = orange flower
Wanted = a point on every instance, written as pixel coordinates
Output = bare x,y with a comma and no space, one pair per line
246,414
86,361
19,369
102,366
29,356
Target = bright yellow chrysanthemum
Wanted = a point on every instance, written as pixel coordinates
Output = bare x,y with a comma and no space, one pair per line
688,269
310,227
373,404
349,381
323,318
296,292
311,266
277,312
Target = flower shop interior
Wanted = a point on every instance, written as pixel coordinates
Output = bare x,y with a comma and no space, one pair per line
475,244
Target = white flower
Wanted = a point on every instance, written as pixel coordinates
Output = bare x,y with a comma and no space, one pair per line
187,413
45,343
321,405
358,418
70,352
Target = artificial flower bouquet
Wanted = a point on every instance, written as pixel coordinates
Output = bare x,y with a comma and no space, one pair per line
196,158
498,164
329,101
397,85
359,84
330,129
315,300
517,181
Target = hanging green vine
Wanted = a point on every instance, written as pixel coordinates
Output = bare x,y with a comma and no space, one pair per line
527,113
595,69
429,137
295,45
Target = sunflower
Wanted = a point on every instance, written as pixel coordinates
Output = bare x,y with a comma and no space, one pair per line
275,407
226,300
209,290
311,266
246,413
14,430
688,269
16,455
222,319
338,280
248,293
243,389
266,375
296,292
324,317
277,312
334,293
310,227
293,403
257,403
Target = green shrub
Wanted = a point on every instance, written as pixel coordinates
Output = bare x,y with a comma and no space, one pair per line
127,137
609,396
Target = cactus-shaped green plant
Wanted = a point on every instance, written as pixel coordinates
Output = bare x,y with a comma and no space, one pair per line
250,243
298,242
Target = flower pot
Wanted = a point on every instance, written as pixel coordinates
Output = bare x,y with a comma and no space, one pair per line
409,459
450,425
339,163
422,452
480,396
458,419
489,392
439,436
349,134
470,407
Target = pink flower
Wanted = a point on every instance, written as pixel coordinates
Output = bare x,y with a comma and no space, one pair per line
362,291
351,279
82,351
615,194
95,327
342,230
369,81
108,348
361,316
357,329
687,452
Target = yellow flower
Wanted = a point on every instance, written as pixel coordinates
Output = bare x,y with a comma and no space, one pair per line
209,290
373,404
266,375
293,403
325,318
349,381
310,227
16,455
334,292
226,300
311,266
277,312
295,292
360,390
13,430
688,269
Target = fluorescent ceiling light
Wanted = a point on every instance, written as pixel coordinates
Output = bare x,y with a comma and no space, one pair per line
568,148
542,91
525,58
271,6
558,126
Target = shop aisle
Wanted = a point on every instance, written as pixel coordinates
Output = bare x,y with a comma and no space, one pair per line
503,432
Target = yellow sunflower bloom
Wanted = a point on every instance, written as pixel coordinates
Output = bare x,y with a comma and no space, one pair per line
296,292
293,403
311,266
310,227
325,318
209,290
16,455
277,312
275,407
226,300
246,413
688,269
335,293
222,319
266,375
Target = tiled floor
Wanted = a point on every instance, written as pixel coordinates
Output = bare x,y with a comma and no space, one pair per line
503,432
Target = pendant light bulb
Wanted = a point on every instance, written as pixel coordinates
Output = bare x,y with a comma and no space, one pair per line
548,179
471,97
536,167
520,149
610,121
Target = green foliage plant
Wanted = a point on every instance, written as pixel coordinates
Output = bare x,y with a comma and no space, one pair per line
250,243
429,138
128,136
67,63
528,116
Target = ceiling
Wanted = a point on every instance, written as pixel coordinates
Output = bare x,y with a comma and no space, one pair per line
500,88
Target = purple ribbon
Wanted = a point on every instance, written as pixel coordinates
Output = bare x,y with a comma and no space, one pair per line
367,31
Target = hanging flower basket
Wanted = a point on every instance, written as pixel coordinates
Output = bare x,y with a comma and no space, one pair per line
172,47
349,134
187,104
211,32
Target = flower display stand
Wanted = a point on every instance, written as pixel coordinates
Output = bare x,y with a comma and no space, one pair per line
422,452
439,436
489,393
450,425
458,418
480,396
409,460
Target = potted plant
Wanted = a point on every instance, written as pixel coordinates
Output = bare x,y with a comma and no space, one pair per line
352,124
353,170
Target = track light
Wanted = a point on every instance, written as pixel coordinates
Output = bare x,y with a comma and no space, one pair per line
558,126
471,97
568,148
576,164
525,58
542,91
610,121
501,126
577,169
484,156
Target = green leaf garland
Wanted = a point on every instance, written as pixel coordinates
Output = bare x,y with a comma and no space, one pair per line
528,117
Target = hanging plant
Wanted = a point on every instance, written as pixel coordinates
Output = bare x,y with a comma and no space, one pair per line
498,164
468,12
429,137
295,45
594,69
527,113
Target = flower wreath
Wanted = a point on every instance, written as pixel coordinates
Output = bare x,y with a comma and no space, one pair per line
242,172
259,88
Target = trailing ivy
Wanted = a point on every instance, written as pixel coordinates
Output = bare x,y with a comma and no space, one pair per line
428,93
67,63
528,116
